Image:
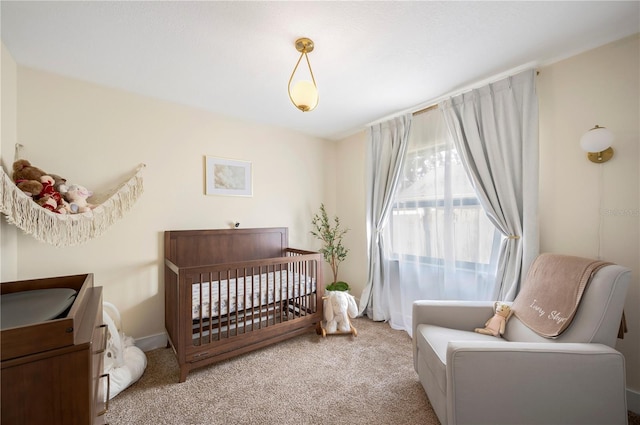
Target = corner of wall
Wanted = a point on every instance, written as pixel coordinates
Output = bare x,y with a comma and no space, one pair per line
8,138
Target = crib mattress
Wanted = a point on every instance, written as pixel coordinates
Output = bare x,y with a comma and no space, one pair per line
228,296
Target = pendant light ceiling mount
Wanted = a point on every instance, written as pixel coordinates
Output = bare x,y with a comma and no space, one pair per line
304,45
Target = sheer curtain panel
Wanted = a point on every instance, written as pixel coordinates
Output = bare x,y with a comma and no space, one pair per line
443,245
495,131
386,148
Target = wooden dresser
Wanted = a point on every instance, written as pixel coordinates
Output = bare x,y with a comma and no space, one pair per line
52,371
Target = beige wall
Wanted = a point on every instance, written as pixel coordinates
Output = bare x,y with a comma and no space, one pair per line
97,136
596,87
350,194
8,99
580,200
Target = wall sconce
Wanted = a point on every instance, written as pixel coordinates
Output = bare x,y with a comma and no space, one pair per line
597,142
304,94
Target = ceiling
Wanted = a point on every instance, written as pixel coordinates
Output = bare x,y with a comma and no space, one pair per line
372,60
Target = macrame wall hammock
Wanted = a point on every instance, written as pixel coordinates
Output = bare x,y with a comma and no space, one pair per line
67,229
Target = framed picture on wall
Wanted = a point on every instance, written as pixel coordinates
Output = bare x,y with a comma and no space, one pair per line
228,177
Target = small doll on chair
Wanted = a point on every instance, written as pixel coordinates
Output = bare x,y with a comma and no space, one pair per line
495,326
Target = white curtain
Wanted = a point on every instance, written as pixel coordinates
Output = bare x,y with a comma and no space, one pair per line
495,129
387,146
442,244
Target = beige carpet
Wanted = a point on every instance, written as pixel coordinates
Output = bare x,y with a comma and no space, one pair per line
368,379
306,380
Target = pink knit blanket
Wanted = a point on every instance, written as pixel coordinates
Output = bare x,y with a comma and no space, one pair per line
551,293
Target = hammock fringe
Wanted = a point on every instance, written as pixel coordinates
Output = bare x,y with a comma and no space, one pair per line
66,229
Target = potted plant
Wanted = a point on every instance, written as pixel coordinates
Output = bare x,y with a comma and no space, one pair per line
332,249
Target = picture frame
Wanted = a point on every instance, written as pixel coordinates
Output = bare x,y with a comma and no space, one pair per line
228,177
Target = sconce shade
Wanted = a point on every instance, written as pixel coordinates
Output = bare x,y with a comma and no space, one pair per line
597,139
303,93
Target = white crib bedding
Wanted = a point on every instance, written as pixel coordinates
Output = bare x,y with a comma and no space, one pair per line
261,289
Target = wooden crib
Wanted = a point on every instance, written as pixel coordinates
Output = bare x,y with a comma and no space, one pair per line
231,291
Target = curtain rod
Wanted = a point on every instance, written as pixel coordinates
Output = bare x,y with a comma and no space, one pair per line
435,105
497,77
427,109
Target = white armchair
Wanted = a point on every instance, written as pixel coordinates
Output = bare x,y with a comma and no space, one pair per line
523,378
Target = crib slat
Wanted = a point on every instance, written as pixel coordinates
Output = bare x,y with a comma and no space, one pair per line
260,295
296,282
266,295
233,305
290,291
283,294
303,287
299,291
220,308
253,311
271,289
200,310
247,293
210,307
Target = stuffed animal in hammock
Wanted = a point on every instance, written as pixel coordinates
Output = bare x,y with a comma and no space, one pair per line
58,181
77,196
27,177
49,190
496,325
47,202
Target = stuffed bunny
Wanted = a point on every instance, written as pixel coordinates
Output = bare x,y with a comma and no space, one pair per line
338,307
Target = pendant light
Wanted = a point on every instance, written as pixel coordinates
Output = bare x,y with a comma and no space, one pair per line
304,93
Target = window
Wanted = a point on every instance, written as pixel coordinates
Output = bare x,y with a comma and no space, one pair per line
442,240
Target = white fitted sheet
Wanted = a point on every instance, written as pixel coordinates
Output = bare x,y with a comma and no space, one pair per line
221,298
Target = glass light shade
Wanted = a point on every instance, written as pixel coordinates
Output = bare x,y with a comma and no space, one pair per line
304,95
597,139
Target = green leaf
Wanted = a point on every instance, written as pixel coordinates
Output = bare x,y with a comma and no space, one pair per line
338,286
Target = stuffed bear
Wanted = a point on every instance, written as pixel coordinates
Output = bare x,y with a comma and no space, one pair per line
338,307
496,325
47,202
27,177
58,182
49,190
76,196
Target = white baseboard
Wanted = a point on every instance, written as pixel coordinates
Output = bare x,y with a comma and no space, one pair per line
633,400
152,342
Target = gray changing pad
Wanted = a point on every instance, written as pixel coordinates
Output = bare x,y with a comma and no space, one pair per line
28,307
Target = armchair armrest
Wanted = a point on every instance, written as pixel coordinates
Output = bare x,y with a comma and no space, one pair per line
501,382
461,315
